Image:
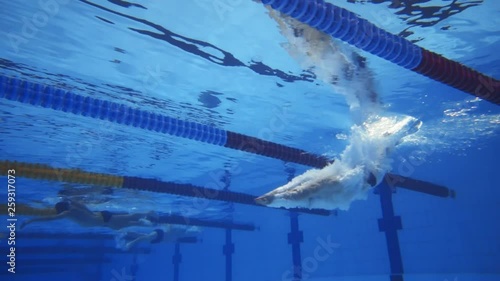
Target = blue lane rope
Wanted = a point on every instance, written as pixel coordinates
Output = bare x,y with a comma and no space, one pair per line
295,237
348,27
57,99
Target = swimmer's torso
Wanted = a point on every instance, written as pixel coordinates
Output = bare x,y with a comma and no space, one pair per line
331,61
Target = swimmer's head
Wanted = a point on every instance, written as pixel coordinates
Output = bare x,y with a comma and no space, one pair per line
62,206
264,199
286,199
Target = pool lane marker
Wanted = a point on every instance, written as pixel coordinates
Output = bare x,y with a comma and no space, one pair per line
345,25
46,172
57,99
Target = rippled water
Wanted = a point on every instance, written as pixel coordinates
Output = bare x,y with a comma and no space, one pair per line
225,67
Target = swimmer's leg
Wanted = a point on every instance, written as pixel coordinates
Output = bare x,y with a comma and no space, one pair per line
44,218
145,237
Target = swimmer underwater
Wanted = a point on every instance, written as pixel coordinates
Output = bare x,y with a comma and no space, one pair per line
79,213
365,160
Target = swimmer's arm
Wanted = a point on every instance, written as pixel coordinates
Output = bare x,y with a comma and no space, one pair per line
144,237
80,206
44,218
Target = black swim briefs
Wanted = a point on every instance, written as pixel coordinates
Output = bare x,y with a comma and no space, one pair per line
159,236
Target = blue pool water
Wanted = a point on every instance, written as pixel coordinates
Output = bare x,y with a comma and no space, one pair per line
225,64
